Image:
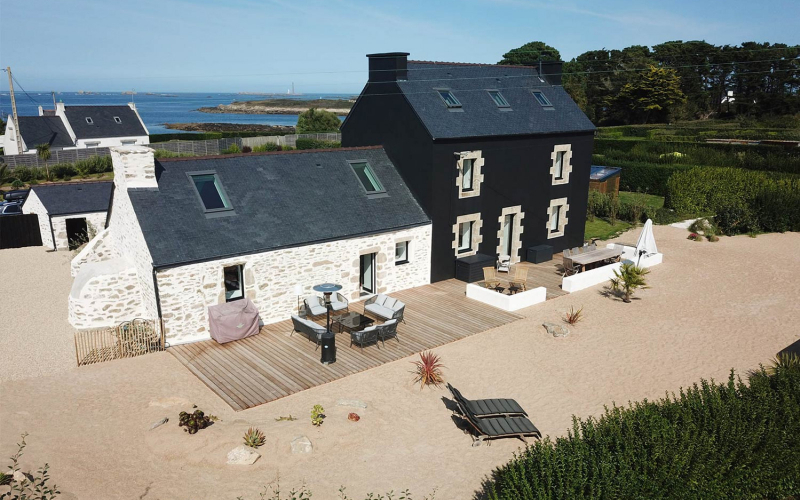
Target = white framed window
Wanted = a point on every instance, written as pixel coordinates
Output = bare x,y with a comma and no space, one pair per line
498,99
401,253
470,176
92,144
562,163
542,99
467,235
209,190
448,98
129,142
234,282
557,217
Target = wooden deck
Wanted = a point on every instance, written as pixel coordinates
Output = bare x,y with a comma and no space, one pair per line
547,274
275,364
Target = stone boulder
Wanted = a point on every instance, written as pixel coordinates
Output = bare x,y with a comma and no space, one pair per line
301,444
243,455
556,330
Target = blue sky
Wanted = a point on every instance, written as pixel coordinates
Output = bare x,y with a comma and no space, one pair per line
265,45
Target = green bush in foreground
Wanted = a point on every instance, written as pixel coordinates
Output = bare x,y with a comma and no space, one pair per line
305,143
733,440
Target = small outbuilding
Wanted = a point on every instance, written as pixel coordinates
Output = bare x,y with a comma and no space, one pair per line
605,179
69,213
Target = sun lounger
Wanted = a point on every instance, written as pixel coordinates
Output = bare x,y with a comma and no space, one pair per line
483,408
495,427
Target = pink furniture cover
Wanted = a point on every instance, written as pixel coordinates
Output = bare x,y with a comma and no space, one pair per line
233,320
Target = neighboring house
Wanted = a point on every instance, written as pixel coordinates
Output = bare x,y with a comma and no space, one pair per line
76,127
498,156
187,233
67,210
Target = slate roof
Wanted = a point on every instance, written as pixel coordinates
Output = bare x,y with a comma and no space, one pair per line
74,198
103,123
50,130
280,200
479,115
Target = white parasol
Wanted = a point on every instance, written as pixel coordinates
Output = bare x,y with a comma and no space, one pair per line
646,245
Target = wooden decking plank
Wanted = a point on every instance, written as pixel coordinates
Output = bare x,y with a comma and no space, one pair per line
220,388
217,365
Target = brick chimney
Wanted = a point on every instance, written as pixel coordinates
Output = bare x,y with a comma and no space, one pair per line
551,71
134,167
388,66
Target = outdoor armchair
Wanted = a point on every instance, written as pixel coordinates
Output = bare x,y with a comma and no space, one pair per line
503,263
315,306
308,328
366,336
339,302
388,330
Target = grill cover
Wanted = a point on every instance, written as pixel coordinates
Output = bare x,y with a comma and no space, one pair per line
233,320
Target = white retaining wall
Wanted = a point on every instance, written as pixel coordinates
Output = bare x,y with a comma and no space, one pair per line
602,274
507,302
269,278
97,250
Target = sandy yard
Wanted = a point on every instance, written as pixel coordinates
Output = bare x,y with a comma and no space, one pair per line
712,307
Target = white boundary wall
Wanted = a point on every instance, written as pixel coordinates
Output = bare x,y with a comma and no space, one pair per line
507,302
602,274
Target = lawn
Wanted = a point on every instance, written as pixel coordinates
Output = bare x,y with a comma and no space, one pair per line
650,200
604,230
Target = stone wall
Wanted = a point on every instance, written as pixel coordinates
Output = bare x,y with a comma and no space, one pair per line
96,219
270,278
105,294
97,250
33,205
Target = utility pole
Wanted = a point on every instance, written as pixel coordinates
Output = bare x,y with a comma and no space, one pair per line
53,92
14,110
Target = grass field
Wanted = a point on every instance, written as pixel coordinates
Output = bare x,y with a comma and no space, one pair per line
604,230
650,200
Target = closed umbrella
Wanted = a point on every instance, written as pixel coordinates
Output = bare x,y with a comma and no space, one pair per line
646,245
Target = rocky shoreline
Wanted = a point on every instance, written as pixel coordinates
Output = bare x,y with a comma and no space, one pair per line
232,127
281,107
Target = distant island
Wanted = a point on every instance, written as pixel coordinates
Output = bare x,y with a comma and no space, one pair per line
281,107
232,127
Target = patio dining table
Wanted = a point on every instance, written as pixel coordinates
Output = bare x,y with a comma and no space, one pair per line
601,254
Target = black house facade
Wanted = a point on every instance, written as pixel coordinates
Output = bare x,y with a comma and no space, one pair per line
498,156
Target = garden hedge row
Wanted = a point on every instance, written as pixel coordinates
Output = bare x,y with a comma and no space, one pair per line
66,171
733,440
305,143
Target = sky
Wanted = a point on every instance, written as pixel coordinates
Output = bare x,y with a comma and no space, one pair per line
265,45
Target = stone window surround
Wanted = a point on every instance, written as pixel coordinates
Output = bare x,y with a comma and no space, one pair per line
477,238
407,241
477,172
562,219
566,166
516,232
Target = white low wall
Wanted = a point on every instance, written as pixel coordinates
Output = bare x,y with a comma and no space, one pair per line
602,274
506,302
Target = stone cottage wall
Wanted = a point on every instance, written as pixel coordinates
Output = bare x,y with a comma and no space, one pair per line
33,205
99,249
96,219
270,278
105,294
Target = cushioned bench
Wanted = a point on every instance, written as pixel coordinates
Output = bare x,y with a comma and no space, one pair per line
385,307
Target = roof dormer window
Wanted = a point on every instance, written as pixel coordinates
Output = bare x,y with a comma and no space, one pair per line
498,99
89,120
367,177
118,119
448,98
541,99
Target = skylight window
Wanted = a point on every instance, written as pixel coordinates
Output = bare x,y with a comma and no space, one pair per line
89,120
449,99
542,99
498,99
367,177
210,191
118,119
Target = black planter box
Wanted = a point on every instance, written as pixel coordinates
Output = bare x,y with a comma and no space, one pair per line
470,269
540,253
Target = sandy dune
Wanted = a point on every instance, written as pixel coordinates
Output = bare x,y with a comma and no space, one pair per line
713,307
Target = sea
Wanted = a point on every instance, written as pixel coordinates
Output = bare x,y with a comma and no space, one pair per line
158,108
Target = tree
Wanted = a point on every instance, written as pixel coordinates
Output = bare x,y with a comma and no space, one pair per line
5,175
651,94
530,54
317,121
43,151
628,279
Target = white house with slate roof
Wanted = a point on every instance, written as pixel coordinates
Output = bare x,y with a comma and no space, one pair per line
76,127
188,233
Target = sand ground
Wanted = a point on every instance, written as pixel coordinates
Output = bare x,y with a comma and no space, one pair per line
712,307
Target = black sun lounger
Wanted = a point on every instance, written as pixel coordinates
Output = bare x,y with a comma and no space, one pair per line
487,408
500,427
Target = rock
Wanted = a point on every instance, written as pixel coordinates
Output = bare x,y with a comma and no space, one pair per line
353,417
556,330
355,403
243,455
301,444
170,401
159,423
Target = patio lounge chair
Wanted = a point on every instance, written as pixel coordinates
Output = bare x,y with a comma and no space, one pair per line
499,427
315,305
487,408
520,277
385,307
503,263
310,329
388,330
339,302
490,277
366,336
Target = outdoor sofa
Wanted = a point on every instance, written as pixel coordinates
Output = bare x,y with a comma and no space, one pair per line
385,307
310,329
374,333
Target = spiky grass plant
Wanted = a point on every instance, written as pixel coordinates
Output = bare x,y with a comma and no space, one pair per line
573,316
254,437
428,370
628,279
784,362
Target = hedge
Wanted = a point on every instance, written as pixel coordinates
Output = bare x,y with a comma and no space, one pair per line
734,440
305,143
89,166
643,177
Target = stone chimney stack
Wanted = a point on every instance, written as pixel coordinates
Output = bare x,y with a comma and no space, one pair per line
134,167
388,66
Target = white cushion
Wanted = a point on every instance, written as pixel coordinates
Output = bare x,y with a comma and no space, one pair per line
397,305
380,299
390,321
338,306
389,302
383,312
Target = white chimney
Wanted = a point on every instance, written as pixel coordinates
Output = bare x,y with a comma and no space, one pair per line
134,167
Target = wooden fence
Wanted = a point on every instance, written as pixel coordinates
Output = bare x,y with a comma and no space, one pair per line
288,140
126,340
56,156
208,147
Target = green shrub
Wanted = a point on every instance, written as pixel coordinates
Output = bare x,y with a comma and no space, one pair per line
266,147
665,215
777,206
62,170
315,120
734,440
305,143
232,149
23,173
166,153
94,165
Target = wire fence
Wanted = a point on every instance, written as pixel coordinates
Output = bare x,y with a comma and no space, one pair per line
126,340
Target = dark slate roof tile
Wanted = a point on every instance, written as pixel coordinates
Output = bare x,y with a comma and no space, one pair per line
103,123
50,130
74,198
